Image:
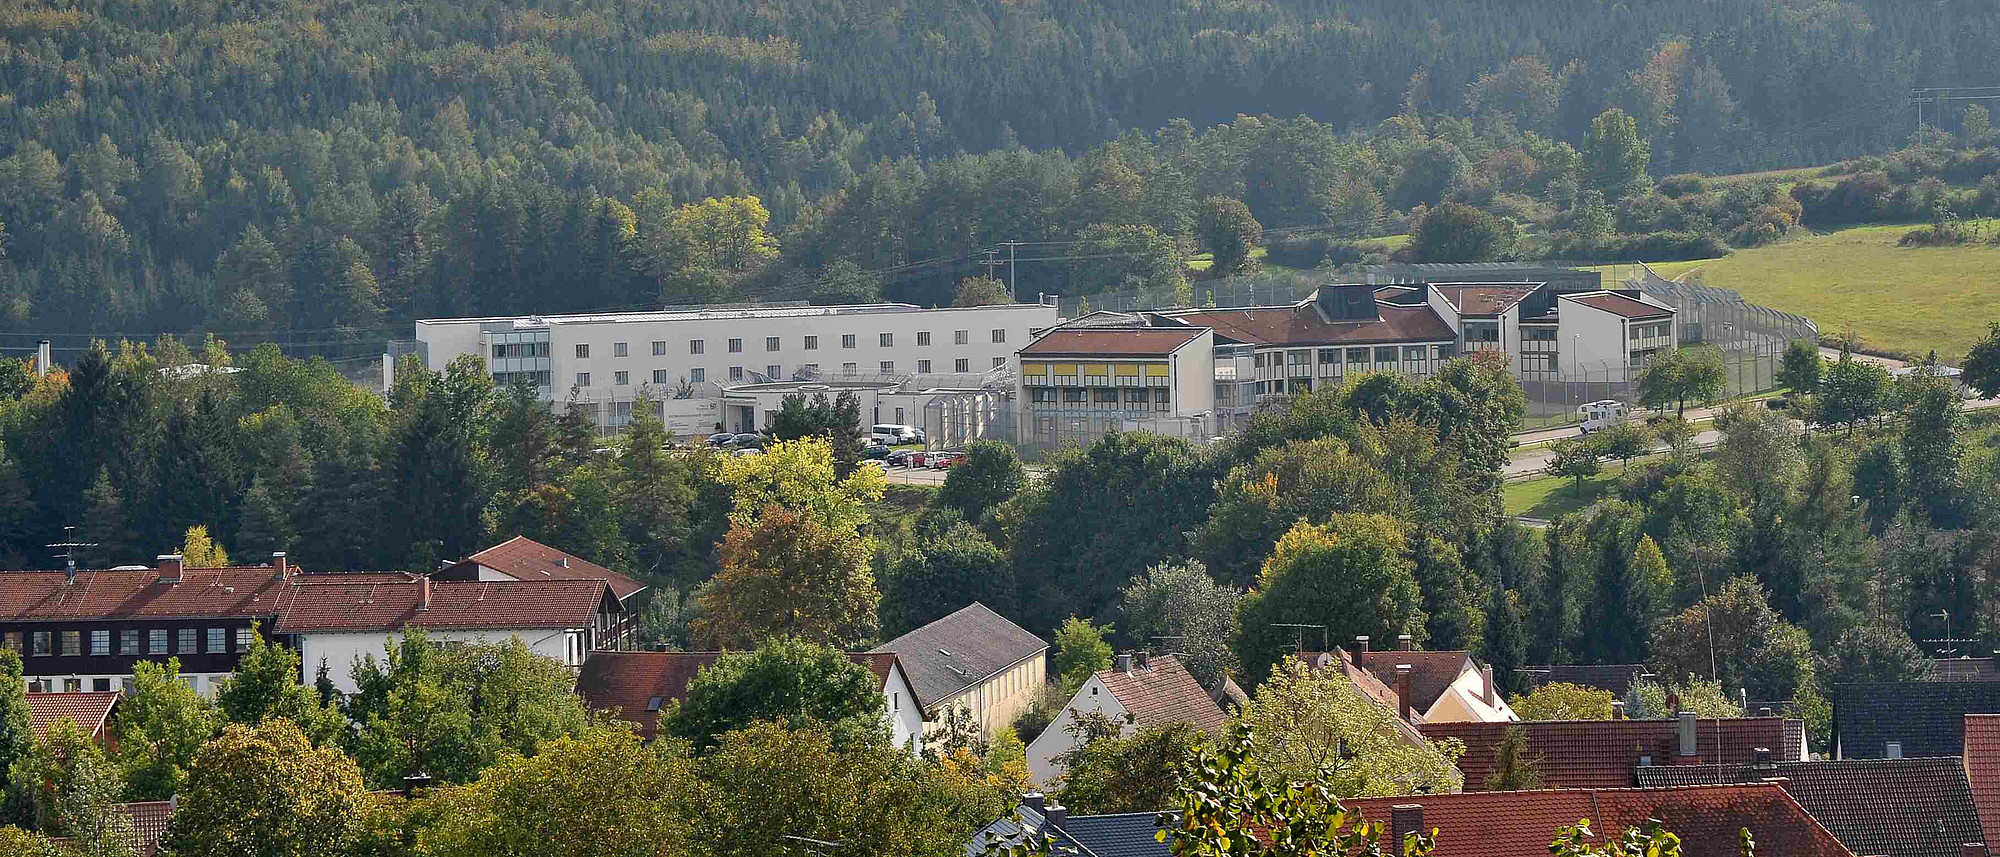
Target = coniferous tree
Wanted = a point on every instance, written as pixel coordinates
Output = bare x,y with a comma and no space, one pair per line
104,523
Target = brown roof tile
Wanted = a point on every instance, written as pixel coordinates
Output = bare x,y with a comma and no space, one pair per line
468,605
149,821
1890,807
1161,693
1109,342
1620,305
1485,299
1982,768
1521,824
1431,673
629,682
203,593
1580,754
523,558
90,710
1302,325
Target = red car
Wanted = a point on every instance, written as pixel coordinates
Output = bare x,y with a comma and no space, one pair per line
918,458
946,460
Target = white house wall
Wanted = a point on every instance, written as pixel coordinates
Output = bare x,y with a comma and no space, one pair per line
1093,696
906,717
1592,341
340,649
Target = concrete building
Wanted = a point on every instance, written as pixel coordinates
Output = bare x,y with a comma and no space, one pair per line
900,401
1077,383
607,360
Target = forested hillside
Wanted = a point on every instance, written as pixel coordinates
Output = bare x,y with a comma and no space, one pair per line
312,171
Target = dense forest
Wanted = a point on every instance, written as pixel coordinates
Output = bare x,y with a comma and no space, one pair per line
314,174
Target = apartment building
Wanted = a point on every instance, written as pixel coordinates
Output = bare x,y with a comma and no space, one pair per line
608,360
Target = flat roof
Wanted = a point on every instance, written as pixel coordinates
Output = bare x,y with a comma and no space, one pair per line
1619,305
1111,342
720,311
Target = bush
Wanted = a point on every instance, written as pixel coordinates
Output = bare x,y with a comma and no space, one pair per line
1649,247
1685,184
1309,251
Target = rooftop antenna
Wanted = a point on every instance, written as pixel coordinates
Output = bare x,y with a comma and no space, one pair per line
69,544
1299,633
817,847
1163,638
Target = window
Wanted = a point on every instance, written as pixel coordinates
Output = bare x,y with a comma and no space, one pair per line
770,343
218,640
1357,356
735,346
660,376
812,343
243,636
850,368
774,371
1385,354
999,335
888,367
888,340
697,375
924,367
1041,394
999,362
583,350
961,337
697,346
72,685
12,640
101,685
653,703
1159,398
1413,352
583,379
1329,356
923,337
847,340
39,642
621,378
735,373
963,364
72,643
659,348
187,642
1136,397
100,642
812,368
156,641
1074,394
618,349
128,642
1298,358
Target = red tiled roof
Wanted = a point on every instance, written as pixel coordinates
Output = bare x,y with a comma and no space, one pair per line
1620,305
523,558
628,681
1371,687
1109,342
149,821
203,593
1485,299
1431,673
500,604
1521,824
1982,768
90,710
1163,692
1303,325
1602,754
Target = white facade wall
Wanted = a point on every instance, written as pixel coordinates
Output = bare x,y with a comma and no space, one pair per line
1465,701
1592,343
1194,376
1093,696
906,717
447,339
340,649
1000,699
205,684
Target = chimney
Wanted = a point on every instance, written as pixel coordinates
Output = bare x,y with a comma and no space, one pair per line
1403,690
44,361
1617,710
1972,849
280,567
1360,646
1124,663
425,602
1032,800
1142,660
1764,711
1057,814
170,567
1407,642
1762,757
1405,819
1492,693
1688,723
1893,751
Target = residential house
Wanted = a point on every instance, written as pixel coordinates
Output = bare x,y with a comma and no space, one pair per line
638,686
1617,678
1406,718
1444,686
523,558
1606,754
1138,692
1126,834
974,662
1522,823
1889,720
91,711
1963,669
1982,770
1889,807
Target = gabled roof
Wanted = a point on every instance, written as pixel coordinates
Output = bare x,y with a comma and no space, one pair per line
149,823
1431,673
1982,770
202,593
1616,678
1602,754
1162,692
1619,305
1302,325
1891,807
1371,688
1522,823
90,710
523,558
1963,669
1128,834
959,652
1110,342
459,605
641,685
1927,717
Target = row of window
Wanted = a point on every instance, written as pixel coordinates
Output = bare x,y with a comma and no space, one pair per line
1354,356
771,343
1132,399
131,641
1648,331
699,374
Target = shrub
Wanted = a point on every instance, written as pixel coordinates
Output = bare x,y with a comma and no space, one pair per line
1309,251
1685,184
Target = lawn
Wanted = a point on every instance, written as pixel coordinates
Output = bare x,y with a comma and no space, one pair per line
1546,497
1909,300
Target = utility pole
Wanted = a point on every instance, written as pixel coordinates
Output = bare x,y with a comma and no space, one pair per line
990,263
1010,245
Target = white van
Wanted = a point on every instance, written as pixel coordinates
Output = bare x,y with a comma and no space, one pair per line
894,434
1602,414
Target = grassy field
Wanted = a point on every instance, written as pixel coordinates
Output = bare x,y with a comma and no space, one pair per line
1907,299
1546,497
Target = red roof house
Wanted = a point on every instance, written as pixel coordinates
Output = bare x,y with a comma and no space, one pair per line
90,710
523,558
638,686
1603,754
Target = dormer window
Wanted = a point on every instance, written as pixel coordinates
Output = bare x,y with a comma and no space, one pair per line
653,704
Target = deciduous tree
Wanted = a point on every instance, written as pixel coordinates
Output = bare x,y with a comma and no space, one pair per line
790,573
1456,232
1353,575
1313,725
1229,233
161,726
1561,700
1080,651
942,574
990,474
1106,773
785,679
267,791
1187,612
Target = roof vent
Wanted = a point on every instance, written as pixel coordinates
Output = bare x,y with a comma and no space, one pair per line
1893,751
564,562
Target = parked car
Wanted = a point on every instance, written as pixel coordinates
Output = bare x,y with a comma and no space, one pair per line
876,453
945,460
918,458
898,458
897,433
748,440
720,439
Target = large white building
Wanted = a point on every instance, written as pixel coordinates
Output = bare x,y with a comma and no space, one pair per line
606,361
